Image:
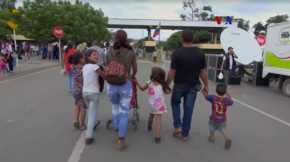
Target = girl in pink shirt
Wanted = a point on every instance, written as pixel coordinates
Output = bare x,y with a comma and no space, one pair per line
157,86
3,63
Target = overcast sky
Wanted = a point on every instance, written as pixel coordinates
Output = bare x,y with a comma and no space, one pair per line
253,10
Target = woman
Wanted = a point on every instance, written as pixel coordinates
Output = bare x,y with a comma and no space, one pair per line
68,51
120,96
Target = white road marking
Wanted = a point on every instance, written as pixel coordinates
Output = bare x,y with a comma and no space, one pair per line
78,149
255,109
262,112
11,120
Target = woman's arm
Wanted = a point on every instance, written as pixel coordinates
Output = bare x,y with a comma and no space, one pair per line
62,62
134,67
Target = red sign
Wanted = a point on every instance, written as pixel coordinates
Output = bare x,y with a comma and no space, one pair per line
261,40
58,32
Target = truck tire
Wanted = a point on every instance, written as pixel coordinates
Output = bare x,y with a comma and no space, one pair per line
286,87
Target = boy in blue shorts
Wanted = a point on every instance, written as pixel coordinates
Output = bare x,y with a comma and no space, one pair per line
217,120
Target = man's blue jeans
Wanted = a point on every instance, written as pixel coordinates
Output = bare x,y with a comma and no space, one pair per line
189,96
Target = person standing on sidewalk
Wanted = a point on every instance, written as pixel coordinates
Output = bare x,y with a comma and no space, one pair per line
7,52
66,65
26,51
50,51
228,65
154,56
101,61
187,65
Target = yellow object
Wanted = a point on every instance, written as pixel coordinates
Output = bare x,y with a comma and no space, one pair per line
10,23
150,43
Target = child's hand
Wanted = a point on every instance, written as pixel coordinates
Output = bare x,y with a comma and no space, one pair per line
168,91
135,80
228,93
204,92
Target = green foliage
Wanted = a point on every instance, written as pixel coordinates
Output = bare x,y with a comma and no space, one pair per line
243,24
80,21
202,37
138,45
261,29
174,41
196,13
7,15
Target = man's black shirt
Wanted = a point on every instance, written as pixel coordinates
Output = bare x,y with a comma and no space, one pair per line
188,62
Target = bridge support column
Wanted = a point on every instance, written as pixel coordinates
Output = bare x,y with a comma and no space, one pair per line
149,33
215,35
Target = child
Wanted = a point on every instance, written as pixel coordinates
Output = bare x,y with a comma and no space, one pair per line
156,86
77,61
217,120
3,63
91,90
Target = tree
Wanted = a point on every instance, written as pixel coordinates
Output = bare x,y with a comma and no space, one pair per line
243,24
80,21
260,28
195,13
202,37
6,14
174,41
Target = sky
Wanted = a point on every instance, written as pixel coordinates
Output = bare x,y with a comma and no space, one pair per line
252,10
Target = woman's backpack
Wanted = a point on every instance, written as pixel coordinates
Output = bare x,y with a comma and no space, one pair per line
115,71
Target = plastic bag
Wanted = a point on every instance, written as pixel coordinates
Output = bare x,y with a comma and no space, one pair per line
62,71
221,76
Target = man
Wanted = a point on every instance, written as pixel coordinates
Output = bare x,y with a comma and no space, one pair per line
228,65
101,62
50,51
26,51
154,56
187,65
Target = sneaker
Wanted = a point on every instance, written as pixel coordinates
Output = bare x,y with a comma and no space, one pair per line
89,141
157,140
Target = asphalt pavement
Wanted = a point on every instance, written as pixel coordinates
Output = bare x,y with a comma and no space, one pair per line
37,115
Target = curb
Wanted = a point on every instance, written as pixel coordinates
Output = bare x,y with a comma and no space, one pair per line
21,73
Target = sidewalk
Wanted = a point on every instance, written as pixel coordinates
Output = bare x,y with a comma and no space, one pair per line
32,65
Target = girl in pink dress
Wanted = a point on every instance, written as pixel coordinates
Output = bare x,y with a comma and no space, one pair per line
3,63
157,86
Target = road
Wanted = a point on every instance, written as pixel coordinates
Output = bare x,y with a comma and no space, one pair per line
37,115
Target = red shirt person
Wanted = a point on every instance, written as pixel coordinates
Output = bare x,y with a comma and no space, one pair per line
70,49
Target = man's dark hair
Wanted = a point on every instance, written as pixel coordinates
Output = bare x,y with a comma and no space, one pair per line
230,48
95,43
187,36
221,89
107,44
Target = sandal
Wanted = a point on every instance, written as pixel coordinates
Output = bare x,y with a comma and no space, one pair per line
210,140
228,143
177,132
185,139
83,128
77,125
96,124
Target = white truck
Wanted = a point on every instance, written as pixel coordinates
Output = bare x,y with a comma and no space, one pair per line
277,58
